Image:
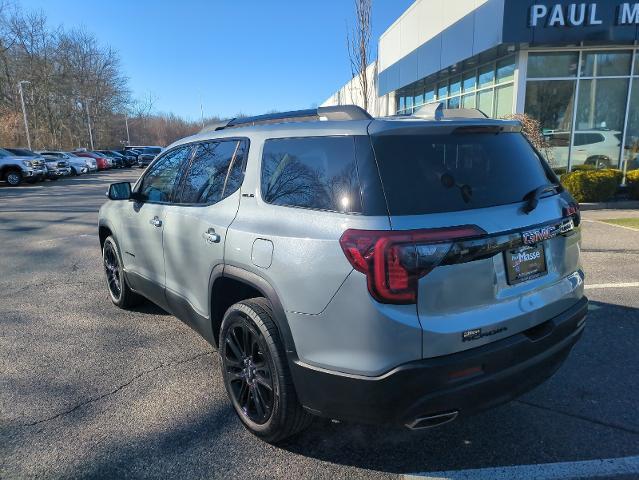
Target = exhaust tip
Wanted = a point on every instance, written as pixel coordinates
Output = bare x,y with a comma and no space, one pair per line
432,420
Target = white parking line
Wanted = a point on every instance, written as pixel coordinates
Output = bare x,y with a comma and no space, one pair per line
612,285
611,224
68,237
548,471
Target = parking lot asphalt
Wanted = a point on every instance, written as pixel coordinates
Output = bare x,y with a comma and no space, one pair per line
88,390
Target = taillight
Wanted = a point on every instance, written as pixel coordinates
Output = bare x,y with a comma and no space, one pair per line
572,210
394,261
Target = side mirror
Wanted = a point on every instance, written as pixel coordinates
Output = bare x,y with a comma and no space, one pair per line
119,191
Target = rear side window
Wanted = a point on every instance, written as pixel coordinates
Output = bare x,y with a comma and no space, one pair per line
445,173
206,178
311,172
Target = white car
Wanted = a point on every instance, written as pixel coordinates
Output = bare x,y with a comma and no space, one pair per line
79,165
599,148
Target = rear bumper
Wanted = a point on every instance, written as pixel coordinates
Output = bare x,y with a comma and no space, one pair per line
464,382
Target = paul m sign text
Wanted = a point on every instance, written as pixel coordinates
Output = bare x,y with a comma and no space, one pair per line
581,14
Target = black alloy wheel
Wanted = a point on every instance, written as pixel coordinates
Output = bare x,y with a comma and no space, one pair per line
112,270
248,372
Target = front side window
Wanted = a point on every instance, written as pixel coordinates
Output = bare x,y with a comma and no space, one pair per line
312,172
205,180
158,184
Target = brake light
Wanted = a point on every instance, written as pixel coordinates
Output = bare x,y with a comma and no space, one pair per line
393,261
572,210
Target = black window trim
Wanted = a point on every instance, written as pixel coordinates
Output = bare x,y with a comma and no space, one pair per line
351,136
183,170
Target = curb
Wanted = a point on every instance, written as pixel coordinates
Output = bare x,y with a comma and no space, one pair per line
619,205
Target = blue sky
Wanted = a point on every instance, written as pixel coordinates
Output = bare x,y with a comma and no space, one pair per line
244,56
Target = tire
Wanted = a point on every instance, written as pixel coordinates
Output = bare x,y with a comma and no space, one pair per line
13,177
255,371
74,172
119,291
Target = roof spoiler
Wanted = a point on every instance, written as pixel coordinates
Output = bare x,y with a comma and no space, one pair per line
335,113
436,111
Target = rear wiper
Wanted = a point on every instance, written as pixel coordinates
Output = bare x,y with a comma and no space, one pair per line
532,197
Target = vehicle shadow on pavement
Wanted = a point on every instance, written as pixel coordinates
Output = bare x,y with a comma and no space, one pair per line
581,413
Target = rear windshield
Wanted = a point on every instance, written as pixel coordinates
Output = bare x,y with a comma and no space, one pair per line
446,173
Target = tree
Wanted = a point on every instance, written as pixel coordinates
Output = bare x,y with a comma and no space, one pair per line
358,42
531,128
73,79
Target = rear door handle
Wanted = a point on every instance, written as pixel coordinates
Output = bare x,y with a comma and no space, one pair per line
210,236
156,222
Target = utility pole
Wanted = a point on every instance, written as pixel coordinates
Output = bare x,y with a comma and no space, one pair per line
24,112
201,110
86,104
126,122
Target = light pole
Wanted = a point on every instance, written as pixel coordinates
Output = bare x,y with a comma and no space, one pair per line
86,104
126,122
24,112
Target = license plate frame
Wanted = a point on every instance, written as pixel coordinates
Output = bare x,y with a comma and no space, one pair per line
524,263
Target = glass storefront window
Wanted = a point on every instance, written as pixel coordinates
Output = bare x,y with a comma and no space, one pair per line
409,102
485,101
455,85
636,72
605,64
442,90
470,81
486,75
552,64
489,87
506,70
504,100
402,103
468,101
551,102
600,117
429,95
631,148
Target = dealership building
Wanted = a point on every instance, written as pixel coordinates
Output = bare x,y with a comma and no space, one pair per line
574,66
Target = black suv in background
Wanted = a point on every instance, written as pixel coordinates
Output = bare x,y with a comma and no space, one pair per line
145,154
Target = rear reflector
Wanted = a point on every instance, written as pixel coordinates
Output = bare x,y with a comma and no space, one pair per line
393,261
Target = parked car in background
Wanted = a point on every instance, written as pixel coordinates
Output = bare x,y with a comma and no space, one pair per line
52,170
130,155
78,165
598,148
16,168
101,161
119,161
115,162
146,154
57,167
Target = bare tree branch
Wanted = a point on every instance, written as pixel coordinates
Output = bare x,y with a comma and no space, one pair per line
358,43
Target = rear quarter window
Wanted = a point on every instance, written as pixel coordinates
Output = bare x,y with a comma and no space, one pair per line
311,172
433,173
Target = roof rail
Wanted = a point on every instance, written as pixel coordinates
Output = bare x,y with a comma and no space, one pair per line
436,111
337,113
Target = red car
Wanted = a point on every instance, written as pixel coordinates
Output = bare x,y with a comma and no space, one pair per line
101,162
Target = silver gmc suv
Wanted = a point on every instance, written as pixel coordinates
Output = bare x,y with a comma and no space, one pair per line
404,270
